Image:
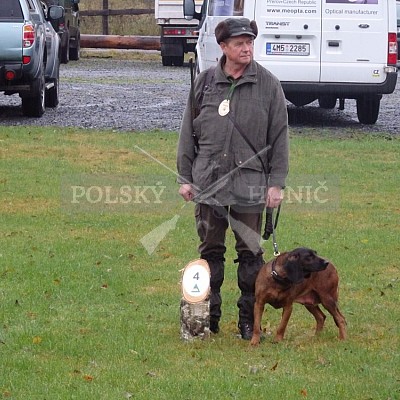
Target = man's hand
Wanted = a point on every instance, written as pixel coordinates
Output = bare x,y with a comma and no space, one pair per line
186,191
274,197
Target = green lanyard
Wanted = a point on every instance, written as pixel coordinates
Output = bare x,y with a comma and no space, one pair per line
231,89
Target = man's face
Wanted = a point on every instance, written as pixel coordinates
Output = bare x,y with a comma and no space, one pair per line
239,50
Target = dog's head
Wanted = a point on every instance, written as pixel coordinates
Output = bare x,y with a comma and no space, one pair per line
301,262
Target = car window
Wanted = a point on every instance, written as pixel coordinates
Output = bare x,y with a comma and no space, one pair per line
10,9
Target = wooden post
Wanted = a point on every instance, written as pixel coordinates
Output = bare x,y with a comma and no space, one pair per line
195,303
105,18
195,320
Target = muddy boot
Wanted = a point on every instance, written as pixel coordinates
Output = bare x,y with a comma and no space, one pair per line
246,315
249,266
215,311
217,266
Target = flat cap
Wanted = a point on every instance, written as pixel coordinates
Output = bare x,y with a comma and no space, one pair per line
232,27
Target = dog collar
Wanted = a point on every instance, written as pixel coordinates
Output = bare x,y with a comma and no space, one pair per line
277,277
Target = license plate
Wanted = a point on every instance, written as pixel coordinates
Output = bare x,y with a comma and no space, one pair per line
288,49
191,41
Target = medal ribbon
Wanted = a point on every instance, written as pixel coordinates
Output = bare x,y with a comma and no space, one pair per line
223,108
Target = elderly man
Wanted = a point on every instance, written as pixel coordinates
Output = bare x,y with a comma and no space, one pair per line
233,160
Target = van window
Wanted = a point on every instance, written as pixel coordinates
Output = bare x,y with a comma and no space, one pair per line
226,7
10,9
31,5
353,1
398,15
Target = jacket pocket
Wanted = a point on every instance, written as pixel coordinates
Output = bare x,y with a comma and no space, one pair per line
204,172
249,180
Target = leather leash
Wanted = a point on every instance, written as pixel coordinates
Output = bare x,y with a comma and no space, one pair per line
270,227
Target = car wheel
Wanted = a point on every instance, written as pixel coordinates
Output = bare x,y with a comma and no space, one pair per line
34,106
197,65
51,99
74,52
65,49
368,109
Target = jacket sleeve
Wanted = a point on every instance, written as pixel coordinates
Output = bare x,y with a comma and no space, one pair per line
278,139
186,152
186,146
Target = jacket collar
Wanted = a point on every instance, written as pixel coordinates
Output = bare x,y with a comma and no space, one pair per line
249,74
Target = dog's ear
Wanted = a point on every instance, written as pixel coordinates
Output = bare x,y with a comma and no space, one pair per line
294,270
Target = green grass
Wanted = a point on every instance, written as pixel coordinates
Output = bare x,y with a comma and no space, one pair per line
142,25
87,313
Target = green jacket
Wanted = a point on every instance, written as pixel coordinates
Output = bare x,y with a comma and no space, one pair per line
259,107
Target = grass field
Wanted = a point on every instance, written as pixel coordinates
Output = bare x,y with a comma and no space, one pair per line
88,312
120,24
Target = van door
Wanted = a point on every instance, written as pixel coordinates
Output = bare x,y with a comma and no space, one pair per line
207,48
216,11
288,42
354,41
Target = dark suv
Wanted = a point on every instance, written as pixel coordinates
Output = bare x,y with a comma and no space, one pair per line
29,60
68,29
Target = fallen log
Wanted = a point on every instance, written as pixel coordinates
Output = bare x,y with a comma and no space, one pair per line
126,11
120,42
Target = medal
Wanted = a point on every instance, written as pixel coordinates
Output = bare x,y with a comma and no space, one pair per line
223,108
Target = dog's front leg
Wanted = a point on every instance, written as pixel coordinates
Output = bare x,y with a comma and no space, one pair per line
258,312
286,313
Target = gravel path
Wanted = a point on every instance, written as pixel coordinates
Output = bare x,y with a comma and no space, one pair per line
130,95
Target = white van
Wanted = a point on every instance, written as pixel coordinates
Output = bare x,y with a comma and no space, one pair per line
319,49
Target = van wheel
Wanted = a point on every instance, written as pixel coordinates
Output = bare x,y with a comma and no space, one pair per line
368,109
327,102
33,106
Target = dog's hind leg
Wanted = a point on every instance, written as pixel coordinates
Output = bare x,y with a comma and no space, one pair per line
340,321
318,315
287,312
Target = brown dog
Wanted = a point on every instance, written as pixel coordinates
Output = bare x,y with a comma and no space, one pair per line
298,276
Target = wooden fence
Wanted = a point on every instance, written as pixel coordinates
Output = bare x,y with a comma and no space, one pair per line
106,12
